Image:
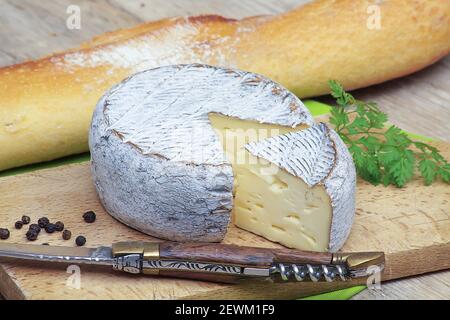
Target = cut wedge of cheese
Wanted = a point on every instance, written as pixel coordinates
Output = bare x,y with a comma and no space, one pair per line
269,198
178,149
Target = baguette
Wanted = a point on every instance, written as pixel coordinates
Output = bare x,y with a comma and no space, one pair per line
46,105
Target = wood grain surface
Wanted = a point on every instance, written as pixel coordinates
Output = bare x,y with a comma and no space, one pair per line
410,225
30,29
242,254
426,287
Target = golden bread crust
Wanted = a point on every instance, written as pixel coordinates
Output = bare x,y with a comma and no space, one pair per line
46,105
331,40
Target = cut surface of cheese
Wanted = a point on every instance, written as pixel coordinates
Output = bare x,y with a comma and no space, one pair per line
282,208
268,200
319,157
176,150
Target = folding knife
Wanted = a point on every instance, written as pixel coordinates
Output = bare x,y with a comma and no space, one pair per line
206,261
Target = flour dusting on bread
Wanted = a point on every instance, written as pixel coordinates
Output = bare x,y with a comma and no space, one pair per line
181,43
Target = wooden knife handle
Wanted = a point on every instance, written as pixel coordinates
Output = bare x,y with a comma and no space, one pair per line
233,254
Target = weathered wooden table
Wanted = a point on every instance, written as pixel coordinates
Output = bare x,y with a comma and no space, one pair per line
419,103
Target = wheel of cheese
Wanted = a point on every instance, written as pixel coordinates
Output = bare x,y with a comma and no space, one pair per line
178,150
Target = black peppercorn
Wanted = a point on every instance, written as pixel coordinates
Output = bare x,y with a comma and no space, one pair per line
59,226
4,234
43,222
34,227
66,235
89,216
18,225
80,241
26,219
31,235
50,228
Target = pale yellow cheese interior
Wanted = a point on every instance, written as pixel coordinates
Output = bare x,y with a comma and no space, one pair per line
269,201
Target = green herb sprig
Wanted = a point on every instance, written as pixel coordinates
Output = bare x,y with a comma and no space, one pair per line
383,153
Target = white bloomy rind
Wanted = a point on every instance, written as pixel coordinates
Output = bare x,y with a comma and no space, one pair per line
157,163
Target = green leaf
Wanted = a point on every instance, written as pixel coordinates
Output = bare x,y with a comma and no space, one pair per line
373,168
360,109
428,169
402,171
343,98
339,117
368,168
372,106
391,132
371,143
444,173
336,88
360,123
437,156
383,155
346,139
358,156
377,120
395,136
386,180
389,155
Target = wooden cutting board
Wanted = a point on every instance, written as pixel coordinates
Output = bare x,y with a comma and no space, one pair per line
412,225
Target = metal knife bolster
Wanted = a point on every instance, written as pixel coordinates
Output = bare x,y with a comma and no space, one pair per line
140,257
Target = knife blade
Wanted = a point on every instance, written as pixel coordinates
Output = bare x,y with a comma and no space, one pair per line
206,261
98,256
